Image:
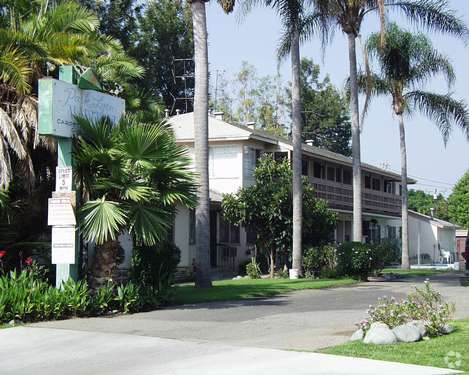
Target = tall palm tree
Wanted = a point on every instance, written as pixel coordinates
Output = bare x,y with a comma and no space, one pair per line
349,15
134,175
202,212
405,64
293,17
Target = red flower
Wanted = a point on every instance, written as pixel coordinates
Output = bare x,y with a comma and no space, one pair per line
28,261
3,254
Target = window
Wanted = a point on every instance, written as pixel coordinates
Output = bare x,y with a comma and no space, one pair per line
338,174
280,156
229,233
392,232
191,227
389,187
347,176
331,173
376,184
367,182
304,167
258,156
318,170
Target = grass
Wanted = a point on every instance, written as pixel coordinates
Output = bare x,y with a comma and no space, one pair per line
425,353
414,272
227,290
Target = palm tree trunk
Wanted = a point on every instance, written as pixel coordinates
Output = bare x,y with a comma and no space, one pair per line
297,155
202,212
356,162
405,222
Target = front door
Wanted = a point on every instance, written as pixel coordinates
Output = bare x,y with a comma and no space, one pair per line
213,238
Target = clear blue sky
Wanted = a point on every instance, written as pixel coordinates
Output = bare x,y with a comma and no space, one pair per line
255,40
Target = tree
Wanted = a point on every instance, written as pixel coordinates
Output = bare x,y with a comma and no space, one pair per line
458,202
202,212
405,62
292,14
266,209
131,176
349,15
422,202
327,119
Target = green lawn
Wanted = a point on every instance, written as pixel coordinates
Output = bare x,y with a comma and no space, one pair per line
427,353
226,290
414,272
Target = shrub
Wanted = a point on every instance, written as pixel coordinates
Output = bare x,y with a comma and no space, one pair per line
253,269
128,297
153,269
360,260
424,304
320,261
103,299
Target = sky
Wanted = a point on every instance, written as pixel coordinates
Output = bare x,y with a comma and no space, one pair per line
436,167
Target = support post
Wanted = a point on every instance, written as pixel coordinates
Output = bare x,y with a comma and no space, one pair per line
64,158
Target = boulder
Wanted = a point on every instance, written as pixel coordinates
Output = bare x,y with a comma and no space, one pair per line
358,335
380,334
421,326
407,333
447,329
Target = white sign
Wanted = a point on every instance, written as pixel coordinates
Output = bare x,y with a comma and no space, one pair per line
60,212
63,245
63,179
60,102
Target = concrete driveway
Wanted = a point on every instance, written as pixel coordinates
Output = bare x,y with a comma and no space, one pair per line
216,338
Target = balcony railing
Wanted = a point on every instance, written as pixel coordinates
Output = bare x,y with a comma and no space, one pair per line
340,196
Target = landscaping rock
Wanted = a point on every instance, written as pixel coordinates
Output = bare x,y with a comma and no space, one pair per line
12,322
358,335
380,334
447,329
407,333
421,326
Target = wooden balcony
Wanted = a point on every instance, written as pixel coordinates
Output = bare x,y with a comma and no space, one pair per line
340,196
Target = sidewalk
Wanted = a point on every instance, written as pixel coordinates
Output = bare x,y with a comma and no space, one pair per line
44,351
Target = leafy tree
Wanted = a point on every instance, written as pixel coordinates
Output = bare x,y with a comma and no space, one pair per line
458,202
405,63
131,175
422,202
327,120
266,209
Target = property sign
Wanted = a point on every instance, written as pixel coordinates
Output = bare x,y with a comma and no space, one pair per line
60,212
63,179
60,102
63,245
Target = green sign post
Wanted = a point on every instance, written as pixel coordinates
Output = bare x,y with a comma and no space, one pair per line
59,102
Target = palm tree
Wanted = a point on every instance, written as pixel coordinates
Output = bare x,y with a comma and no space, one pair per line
37,37
349,15
133,175
293,17
202,212
405,63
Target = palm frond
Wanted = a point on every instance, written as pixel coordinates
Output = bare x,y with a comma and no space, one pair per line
15,70
435,15
148,224
444,110
102,220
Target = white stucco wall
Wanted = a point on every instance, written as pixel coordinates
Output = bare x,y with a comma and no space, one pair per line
181,236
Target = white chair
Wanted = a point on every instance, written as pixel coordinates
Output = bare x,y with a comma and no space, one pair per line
445,256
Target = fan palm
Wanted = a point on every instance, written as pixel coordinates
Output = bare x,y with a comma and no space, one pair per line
349,15
405,63
295,16
202,212
133,175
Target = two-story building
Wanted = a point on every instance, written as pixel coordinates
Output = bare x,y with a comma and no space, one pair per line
233,153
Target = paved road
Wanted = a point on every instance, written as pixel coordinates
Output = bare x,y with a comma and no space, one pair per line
44,351
307,320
